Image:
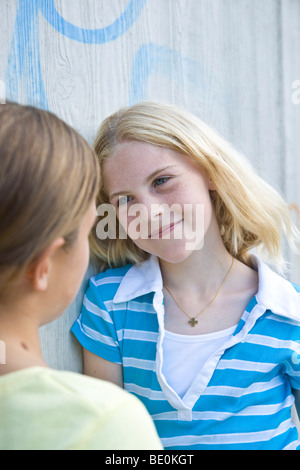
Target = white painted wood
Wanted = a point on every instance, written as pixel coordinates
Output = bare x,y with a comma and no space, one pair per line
290,70
231,62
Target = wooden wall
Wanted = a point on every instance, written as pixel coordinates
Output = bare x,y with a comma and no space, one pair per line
235,63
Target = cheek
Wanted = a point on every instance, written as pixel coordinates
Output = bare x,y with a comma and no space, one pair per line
85,256
79,265
74,284
135,221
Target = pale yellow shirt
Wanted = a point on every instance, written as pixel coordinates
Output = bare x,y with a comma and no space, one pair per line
43,409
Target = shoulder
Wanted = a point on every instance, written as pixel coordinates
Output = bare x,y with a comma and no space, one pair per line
107,283
112,273
296,287
71,391
107,416
85,390
66,386
283,317
78,412
103,408
277,294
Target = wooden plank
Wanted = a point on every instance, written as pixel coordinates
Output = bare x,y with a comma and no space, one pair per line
230,62
290,18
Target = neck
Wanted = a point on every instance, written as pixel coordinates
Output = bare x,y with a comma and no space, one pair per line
20,334
202,270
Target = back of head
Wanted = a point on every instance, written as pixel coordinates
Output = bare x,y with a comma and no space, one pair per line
48,179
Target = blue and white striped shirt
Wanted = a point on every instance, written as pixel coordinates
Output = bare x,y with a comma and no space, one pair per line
242,397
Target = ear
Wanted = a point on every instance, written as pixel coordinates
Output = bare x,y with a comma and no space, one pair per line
211,185
39,271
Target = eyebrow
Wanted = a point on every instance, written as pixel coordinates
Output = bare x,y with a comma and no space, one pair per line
149,178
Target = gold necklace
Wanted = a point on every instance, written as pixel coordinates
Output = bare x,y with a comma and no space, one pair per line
193,320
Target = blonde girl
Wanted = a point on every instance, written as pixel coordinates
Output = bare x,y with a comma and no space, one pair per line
49,178
207,338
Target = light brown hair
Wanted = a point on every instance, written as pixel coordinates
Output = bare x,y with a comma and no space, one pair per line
49,176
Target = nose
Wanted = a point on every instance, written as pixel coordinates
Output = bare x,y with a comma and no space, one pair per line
144,214
151,206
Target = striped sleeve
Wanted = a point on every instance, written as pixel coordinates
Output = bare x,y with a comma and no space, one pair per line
293,363
95,329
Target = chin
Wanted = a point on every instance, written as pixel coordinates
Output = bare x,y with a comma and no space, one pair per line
169,251
175,258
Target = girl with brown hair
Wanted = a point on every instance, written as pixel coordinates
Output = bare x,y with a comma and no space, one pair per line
49,178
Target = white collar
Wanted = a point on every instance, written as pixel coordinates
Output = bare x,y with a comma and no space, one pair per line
140,279
274,292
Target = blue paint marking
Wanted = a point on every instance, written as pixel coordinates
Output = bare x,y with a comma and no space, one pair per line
93,36
160,60
188,75
23,67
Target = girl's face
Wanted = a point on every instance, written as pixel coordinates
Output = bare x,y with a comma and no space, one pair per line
161,198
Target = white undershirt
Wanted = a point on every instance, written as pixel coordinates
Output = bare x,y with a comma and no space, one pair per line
185,355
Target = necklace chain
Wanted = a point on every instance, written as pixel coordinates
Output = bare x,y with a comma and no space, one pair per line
193,320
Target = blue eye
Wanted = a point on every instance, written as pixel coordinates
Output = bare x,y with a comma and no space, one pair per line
161,180
123,200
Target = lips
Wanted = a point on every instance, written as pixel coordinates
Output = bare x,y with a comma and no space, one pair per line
164,230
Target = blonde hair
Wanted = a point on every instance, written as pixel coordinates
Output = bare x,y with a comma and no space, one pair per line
49,176
249,211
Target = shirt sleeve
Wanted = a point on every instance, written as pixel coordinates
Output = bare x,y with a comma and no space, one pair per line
292,341
95,329
293,360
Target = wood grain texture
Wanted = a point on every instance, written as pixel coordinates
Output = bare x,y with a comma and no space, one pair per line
230,62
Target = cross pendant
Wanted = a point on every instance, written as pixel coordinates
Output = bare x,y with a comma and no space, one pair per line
193,322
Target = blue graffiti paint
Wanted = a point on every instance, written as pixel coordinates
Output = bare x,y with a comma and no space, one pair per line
23,67
93,36
188,75
160,60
